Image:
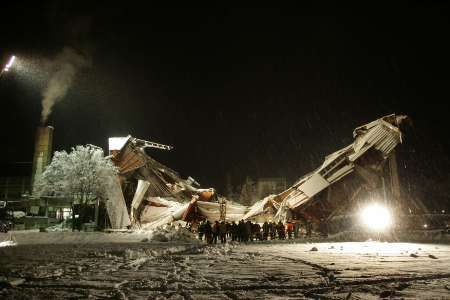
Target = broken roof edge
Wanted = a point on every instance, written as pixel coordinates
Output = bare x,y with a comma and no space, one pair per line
117,143
148,144
383,121
391,119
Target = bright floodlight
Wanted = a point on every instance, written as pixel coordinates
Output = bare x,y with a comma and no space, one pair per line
9,64
376,217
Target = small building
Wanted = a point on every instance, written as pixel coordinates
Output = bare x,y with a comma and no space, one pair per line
270,186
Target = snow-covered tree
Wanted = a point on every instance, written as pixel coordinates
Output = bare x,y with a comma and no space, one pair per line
248,191
84,174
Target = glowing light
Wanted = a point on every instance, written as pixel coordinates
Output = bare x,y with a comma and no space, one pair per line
9,64
376,217
425,225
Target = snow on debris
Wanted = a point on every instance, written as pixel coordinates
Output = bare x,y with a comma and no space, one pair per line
172,234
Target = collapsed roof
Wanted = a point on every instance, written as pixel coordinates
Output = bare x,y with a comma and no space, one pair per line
159,195
374,143
134,163
143,179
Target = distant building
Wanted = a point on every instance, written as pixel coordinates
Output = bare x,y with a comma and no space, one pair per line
269,186
16,185
253,191
15,181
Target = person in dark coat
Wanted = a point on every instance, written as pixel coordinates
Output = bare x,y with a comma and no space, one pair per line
308,227
296,229
228,230
208,232
201,230
257,232
272,230
241,231
215,232
248,230
223,232
234,231
265,229
281,231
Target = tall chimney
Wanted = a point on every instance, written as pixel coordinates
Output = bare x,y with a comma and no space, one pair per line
42,151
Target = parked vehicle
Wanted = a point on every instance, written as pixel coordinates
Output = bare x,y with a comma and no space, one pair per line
5,226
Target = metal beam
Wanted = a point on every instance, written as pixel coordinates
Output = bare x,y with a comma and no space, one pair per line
147,144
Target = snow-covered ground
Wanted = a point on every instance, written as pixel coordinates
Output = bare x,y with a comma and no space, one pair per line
133,266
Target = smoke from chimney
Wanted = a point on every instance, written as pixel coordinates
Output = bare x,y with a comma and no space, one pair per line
65,68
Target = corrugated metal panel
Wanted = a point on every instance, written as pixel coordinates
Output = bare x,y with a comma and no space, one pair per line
297,200
347,169
294,197
128,159
314,185
116,207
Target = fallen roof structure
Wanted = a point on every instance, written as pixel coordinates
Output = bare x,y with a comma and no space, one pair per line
154,194
364,159
150,191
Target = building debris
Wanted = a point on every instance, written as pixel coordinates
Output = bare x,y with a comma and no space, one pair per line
343,175
156,195
116,207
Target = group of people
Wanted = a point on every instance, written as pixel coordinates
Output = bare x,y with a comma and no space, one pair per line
246,231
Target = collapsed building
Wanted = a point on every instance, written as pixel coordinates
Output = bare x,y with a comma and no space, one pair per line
151,194
140,175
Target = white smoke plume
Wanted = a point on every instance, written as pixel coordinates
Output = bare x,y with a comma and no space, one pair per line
65,67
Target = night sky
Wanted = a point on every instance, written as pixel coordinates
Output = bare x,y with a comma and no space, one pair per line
241,91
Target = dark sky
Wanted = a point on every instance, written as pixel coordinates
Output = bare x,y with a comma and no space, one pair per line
240,91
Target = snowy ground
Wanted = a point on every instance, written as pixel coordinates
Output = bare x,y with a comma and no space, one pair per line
119,265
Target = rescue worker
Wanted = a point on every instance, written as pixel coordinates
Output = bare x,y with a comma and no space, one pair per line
290,229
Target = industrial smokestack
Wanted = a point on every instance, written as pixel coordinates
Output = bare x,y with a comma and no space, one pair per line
42,151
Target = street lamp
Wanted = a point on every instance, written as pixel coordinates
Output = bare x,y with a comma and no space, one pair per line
8,65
